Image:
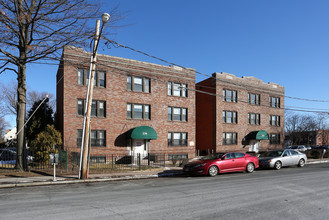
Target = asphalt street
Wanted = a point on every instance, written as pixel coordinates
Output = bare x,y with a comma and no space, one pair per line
289,193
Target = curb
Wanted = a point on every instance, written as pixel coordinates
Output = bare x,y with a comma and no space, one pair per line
317,162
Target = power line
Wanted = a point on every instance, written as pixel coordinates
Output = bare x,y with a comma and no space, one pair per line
116,44
77,63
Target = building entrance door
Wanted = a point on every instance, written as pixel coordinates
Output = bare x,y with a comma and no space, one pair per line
139,146
254,146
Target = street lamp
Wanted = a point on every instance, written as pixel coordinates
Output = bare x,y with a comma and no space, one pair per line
105,17
83,173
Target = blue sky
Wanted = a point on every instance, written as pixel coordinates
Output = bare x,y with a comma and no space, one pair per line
280,41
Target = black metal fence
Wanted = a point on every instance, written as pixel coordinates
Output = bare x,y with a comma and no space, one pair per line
97,163
112,162
8,157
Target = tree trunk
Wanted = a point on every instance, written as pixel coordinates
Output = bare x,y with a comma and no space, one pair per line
21,107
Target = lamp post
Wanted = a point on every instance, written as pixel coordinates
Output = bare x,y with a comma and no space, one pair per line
83,171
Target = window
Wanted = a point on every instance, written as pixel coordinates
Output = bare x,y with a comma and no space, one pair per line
230,95
239,155
292,152
177,156
254,99
177,139
97,108
274,102
97,159
177,114
274,138
81,107
230,138
274,120
80,77
177,89
230,117
138,111
138,84
253,119
79,138
286,153
93,108
97,138
169,113
99,81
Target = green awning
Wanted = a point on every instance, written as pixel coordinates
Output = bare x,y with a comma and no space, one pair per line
257,135
143,132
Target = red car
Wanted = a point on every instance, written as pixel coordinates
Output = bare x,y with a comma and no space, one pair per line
222,163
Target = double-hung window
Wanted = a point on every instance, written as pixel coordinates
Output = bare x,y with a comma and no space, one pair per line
97,138
177,139
275,120
177,89
138,84
230,138
254,99
99,79
274,102
230,117
138,111
274,138
177,114
97,108
177,156
253,119
230,95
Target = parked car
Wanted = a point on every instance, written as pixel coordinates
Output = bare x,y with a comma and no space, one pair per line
323,147
7,156
281,158
222,163
301,148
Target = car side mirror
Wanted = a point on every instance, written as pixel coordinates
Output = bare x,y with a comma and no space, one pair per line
223,158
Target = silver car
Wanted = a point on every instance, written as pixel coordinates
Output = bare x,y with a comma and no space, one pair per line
281,158
300,148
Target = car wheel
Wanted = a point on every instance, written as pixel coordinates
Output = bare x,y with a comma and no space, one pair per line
301,163
277,165
213,171
250,168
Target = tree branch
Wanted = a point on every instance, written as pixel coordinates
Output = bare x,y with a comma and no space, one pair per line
7,68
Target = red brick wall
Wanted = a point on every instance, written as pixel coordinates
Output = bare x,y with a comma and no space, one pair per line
243,86
116,96
205,120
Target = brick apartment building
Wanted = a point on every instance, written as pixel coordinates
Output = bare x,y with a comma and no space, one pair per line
238,114
138,107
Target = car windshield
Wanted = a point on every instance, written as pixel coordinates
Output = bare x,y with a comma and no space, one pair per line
212,156
277,153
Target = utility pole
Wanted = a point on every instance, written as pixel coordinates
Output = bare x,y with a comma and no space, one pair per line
83,170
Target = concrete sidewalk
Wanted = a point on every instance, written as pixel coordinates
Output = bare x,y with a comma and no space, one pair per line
9,182
14,181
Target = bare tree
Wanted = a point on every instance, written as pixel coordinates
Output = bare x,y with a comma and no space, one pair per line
303,129
37,29
8,94
9,98
3,126
322,131
34,96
